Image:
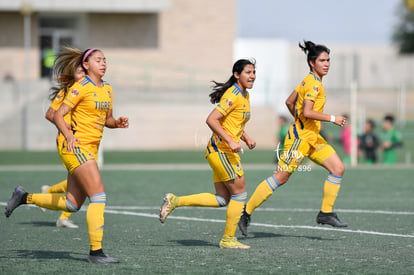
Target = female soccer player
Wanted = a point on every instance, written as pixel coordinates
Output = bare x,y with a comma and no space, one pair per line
303,139
56,96
227,122
90,103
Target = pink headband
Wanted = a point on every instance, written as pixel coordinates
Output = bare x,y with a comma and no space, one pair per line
87,53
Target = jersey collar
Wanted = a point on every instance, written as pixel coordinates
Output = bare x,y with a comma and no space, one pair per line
238,88
90,80
316,78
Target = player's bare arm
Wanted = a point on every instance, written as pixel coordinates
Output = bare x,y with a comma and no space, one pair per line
213,121
291,102
308,112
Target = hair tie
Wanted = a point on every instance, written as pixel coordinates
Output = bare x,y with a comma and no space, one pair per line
88,52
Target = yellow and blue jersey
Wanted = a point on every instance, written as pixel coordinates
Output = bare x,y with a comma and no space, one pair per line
235,107
304,128
90,105
56,104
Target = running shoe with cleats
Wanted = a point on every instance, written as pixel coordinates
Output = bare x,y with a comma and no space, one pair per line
102,259
66,223
331,219
43,190
232,242
244,222
15,200
169,204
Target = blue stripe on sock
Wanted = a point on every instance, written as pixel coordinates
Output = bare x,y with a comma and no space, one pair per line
98,198
70,206
334,179
241,197
221,201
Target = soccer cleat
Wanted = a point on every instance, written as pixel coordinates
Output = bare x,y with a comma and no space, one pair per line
244,222
169,204
15,200
331,219
66,223
232,242
43,190
102,259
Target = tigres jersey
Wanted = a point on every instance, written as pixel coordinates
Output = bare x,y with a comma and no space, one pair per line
56,104
235,108
304,128
90,105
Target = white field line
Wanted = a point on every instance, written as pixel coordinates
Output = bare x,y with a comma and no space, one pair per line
262,209
261,224
109,210
358,211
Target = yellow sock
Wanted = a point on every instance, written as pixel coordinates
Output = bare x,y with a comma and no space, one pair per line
60,187
49,201
330,192
263,191
202,199
65,215
95,220
234,211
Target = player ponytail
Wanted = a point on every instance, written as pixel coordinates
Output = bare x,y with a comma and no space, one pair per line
312,51
64,68
220,88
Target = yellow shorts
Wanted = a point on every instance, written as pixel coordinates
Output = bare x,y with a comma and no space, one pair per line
225,166
295,150
78,156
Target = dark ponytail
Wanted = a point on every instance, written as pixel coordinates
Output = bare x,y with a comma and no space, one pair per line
312,51
220,88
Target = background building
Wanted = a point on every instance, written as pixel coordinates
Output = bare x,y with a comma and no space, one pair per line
162,55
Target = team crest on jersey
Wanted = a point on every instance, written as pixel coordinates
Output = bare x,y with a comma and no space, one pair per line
109,94
316,88
74,92
229,103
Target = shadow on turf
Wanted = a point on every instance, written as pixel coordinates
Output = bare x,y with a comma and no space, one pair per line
45,254
192,243
40,224
273,235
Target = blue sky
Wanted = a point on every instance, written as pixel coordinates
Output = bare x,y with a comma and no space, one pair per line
324,21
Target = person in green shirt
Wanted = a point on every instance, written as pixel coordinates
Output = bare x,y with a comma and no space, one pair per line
391,139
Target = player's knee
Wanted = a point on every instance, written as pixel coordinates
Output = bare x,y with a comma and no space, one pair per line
339,169
71,207
281,177
221,201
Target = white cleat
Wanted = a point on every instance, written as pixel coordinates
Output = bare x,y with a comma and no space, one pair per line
66,223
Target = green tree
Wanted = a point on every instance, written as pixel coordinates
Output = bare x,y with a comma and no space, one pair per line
403,34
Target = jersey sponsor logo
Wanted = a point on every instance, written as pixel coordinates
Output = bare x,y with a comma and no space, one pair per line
102,105
246,115
74,92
